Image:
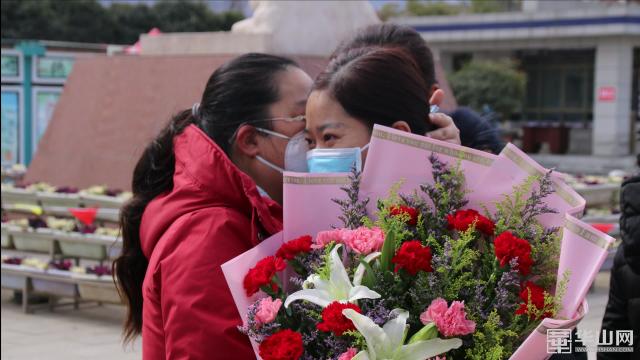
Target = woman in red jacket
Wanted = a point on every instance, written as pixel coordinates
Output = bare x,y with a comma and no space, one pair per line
197,203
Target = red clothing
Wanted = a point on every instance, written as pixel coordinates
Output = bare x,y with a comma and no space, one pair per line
213,213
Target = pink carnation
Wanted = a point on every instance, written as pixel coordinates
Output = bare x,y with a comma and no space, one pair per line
364,240
450,321
324,238
348,355
267,310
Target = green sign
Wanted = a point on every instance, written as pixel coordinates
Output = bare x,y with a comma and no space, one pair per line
54,67
10,126
11,65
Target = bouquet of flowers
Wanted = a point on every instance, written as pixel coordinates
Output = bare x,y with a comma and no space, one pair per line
421,271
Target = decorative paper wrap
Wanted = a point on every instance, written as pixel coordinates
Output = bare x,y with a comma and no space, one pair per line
513,167
235,269
307,202
393,156
535,346
406,158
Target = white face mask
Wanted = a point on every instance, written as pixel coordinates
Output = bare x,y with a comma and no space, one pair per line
294,154
335,160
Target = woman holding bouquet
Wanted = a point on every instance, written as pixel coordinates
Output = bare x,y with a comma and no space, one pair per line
196,204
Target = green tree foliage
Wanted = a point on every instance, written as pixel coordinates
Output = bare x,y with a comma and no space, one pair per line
497,84
120,23
443,7
431,8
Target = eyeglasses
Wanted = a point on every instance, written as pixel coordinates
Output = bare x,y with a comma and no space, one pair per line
287,119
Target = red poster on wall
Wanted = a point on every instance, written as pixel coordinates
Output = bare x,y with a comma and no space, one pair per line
607,93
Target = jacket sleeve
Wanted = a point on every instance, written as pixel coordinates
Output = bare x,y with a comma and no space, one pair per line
200,318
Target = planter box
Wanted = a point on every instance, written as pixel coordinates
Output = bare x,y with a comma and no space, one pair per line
7,242
107,214
102,201
114,251
19,196
100,290
84,251
86,246
598,195
61,200
35,241
54,287
12,281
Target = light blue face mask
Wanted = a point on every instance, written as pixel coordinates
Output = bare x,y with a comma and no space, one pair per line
335,160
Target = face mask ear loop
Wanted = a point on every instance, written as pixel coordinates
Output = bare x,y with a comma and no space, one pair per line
269,164
265,131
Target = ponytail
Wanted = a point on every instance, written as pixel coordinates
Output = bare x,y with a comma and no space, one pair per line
152,176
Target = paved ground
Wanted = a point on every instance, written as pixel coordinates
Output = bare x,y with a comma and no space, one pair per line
94,332
91,332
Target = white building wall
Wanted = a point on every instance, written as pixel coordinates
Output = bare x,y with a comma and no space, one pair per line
612,118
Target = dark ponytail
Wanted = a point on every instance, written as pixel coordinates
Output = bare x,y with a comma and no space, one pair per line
238,92
152,176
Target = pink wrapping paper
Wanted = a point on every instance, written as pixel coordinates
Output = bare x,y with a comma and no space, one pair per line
513,167
235,270
406,157
307,202
535,345
393,156
583,251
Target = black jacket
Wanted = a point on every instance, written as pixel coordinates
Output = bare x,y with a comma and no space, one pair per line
623,308
475,131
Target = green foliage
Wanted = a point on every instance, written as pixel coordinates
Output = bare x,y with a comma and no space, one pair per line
561,291
489,340
494,6
431,8
443,7
460,274
88,21
494,83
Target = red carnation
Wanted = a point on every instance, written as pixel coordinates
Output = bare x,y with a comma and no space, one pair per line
413,257
333,320
537,299
406,210
283,345
262,274
461,220
291,249
508,247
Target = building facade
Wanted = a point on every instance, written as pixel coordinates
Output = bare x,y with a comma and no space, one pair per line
581,58
33,76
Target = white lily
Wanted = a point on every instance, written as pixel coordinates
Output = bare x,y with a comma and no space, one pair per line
387,343
338,287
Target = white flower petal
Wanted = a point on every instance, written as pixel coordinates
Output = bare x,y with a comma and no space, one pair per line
318,297
373,334
362,355
362,292
426,349
396,327
339,278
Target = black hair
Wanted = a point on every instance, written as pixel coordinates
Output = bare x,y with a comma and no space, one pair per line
393,35
378,86
239,91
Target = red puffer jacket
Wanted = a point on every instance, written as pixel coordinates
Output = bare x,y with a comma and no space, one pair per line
213,213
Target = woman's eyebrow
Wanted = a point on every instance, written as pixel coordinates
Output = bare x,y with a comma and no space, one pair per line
331,125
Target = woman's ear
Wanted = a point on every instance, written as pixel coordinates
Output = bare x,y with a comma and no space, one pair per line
402,126
246,142
437,96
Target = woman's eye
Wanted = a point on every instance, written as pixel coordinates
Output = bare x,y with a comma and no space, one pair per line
328,137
